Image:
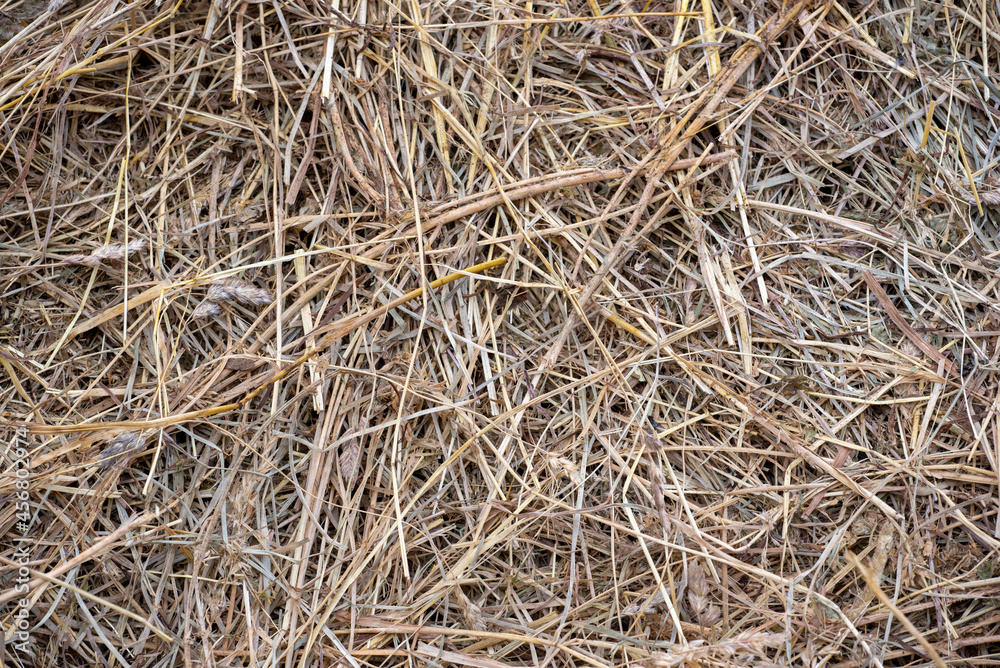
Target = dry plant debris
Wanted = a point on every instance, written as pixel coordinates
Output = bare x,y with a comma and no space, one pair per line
543,334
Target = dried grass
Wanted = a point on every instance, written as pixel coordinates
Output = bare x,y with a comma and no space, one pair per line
449,333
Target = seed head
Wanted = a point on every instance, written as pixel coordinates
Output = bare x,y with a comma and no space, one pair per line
112,253
238,291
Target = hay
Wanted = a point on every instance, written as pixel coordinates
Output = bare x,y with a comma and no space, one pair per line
470,334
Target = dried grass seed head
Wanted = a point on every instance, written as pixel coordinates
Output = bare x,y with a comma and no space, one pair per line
206,309
121,448
111,253
233,289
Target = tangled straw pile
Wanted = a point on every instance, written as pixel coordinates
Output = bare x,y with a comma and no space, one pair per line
731,399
